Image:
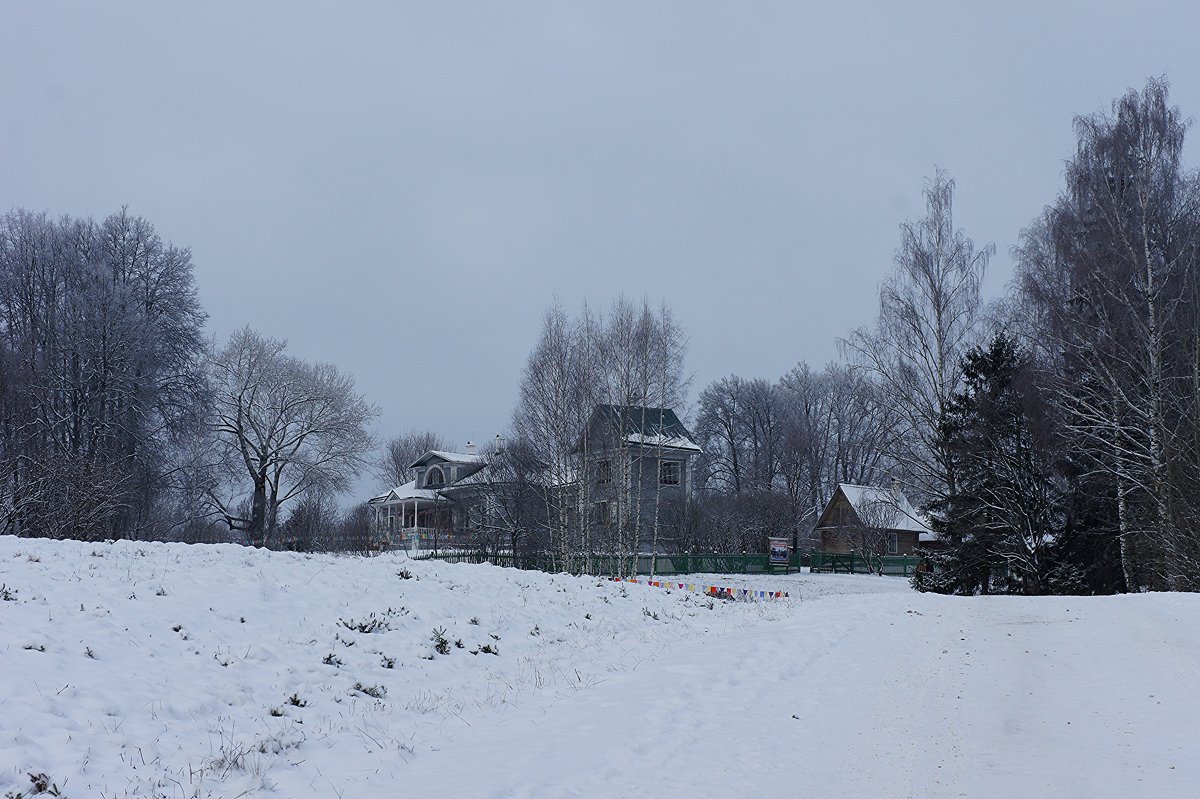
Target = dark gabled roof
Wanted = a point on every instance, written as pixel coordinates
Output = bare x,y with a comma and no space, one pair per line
646,421
652,427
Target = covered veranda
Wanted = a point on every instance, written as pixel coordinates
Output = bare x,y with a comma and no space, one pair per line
411,517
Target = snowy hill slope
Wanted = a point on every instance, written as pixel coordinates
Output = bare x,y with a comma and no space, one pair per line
133,669
166,670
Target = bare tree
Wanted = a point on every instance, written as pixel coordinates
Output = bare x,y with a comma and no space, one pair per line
285,428
741,425
720,428
928,309
508,509
629,357
639,358
556,392
871,536
781,448
394,464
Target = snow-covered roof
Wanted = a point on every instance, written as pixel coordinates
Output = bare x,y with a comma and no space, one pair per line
452,457
887,508
667,441
407,491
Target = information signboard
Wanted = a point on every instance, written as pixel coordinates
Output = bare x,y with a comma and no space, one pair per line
778,548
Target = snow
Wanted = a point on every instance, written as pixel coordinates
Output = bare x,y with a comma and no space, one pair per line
665,441
452,457
901,514
407,491
855,686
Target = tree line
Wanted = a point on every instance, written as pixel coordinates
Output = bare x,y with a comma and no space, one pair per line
119,419
1052,436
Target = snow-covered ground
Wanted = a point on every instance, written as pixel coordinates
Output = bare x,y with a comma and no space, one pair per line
167,670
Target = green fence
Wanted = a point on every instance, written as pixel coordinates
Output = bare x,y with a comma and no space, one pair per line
667,565
605,565
836,563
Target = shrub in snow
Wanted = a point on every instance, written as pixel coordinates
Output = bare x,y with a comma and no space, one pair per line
375,624
373,691
440,643
41,785
7,594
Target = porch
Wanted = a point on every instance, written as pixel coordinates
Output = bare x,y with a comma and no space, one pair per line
414,524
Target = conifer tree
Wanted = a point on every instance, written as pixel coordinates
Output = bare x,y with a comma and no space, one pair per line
1006,511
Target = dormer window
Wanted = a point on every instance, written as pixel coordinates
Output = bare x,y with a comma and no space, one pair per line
434,478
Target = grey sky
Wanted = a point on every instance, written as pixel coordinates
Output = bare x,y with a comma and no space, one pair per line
402,189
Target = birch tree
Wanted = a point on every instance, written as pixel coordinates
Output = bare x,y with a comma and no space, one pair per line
1110,272
629,356
928,310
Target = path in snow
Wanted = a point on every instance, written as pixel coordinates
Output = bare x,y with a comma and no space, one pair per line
880,695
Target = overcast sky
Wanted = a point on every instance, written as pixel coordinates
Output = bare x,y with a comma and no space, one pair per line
403,189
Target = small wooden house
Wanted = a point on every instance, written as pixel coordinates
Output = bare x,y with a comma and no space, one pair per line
871,521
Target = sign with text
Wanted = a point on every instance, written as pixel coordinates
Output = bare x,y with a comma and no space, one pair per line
778,547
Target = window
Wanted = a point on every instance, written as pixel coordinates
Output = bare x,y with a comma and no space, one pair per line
893,543
602,514
434,477
604,471
669,472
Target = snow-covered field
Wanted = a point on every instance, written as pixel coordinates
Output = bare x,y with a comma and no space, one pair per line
177,671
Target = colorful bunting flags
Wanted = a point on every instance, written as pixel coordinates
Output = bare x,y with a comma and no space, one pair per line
712,590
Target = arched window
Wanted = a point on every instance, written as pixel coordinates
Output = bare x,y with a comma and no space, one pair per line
434,477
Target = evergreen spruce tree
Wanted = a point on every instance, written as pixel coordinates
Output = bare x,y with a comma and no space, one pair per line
1007,509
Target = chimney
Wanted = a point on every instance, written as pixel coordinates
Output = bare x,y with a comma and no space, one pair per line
470,447
499,443
896,492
